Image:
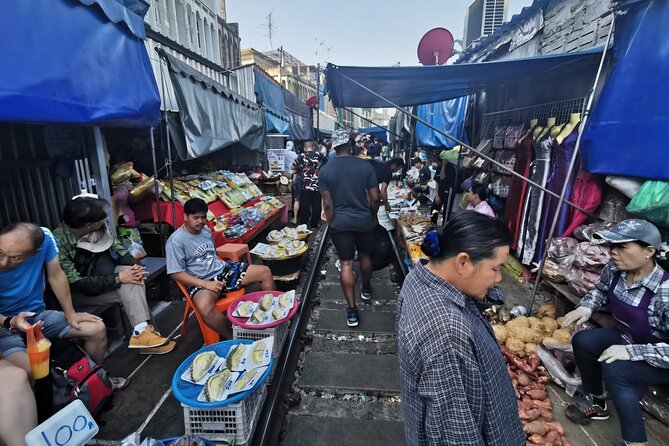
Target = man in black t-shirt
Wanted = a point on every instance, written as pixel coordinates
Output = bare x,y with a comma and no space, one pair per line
424,177
350,193
384,174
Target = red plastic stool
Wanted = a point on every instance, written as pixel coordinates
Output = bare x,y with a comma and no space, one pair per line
234,252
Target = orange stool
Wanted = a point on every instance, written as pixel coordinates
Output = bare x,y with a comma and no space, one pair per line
234,252
210,336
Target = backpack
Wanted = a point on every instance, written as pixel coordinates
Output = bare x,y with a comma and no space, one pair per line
84,380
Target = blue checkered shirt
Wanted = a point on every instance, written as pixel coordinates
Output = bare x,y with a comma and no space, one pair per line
658,310
454,383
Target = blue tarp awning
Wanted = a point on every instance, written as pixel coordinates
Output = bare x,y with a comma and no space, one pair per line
270,96
407,86
83,62
448,116
627,130
381,133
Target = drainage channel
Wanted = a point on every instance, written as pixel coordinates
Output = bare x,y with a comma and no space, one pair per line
335,384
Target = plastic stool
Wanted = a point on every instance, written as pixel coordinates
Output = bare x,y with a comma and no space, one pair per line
234,252
210,336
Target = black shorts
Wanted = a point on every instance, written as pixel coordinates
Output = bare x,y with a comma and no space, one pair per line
347,242
232,275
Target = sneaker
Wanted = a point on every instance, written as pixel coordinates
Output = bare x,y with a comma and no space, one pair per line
159,350
147,339
338,265
366,294
118,383
586,410
352,317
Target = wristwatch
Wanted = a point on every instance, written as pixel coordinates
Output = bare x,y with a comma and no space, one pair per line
7,323
117,279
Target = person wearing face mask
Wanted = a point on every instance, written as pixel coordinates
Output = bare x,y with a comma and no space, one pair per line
454,384
635,353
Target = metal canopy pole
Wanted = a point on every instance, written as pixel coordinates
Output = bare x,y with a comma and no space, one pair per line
586,113
486,157
156,191
372,122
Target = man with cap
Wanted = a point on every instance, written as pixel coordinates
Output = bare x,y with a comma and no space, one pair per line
101,271
350,193
635,353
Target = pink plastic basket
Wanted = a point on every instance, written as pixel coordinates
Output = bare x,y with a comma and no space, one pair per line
255,297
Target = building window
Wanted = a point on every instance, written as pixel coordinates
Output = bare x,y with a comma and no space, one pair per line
198,30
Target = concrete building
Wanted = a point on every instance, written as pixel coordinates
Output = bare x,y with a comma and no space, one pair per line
483,17
195,32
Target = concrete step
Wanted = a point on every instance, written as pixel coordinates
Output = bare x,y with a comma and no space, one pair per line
328,431
370,409
346,372
384,346
380,291
334,321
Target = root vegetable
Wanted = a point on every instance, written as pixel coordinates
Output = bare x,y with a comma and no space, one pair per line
501,333
523,379
546,414
547,341
537,394
533,320
559,321
534,361
550,324
517,362
526,334
536,404
537,427
530,348
553,437
515,345
520,321
558,427
536,439
547,310
529,414
563,336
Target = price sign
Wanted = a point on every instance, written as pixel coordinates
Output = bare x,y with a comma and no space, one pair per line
73,425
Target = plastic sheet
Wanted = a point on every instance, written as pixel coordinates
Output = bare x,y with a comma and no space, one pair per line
652,202
555,368
590,257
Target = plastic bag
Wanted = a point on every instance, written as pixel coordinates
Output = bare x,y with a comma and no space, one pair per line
656,401
134,440
625,185
652,202
561,250
581,281
590,257
554,272
556,370
585,233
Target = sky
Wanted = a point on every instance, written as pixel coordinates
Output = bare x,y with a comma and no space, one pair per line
349,32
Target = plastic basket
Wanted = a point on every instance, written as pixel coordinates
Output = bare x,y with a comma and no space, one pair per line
232,423
222,422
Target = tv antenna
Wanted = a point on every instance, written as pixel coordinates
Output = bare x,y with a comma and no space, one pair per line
271,27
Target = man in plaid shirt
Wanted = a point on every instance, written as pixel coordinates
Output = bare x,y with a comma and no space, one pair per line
634,354
454,383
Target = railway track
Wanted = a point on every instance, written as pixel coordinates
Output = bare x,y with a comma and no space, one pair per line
334,384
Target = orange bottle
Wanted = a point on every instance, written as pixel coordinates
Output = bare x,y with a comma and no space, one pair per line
38,352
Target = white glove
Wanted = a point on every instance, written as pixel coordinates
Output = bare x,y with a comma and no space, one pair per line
615,353
578,316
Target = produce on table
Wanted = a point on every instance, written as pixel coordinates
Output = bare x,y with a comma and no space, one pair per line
201,365
547,310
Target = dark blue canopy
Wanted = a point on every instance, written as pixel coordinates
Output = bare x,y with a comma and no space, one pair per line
627,131
407,86
381,133
448,116
270,95
84,62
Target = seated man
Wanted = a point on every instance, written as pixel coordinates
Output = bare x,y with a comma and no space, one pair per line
100,271
18,412
27,252
192,261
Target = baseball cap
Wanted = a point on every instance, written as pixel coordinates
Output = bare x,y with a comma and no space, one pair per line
339,137
632,230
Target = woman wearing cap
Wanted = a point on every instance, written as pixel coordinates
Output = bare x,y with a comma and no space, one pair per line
634,354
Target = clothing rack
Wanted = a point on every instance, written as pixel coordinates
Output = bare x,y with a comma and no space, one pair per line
559,110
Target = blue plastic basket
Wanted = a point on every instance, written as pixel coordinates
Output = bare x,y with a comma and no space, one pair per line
187,393
169,440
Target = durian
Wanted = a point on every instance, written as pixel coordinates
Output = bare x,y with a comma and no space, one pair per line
284,301
277,314
235,356
201,365
215,386
266,302
258,316
244,380
258,352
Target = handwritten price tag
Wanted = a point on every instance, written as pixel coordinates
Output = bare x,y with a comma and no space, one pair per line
73,425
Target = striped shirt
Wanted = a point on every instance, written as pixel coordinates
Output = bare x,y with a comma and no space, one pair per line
454,384
658,310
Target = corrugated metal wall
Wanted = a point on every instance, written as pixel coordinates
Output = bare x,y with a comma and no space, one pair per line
29,188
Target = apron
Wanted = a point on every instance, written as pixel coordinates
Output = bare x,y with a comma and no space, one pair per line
631,320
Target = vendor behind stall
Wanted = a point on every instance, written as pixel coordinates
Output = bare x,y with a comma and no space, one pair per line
634,354
424,176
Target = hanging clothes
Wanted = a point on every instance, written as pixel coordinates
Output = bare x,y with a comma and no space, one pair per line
587,193
560,160
516,197
534,200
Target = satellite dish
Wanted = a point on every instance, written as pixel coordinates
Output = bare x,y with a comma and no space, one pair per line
435,47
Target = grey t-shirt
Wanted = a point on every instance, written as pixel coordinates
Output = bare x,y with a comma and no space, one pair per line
193,254
348,179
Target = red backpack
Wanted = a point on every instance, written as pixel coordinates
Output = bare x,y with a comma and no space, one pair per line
83,380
